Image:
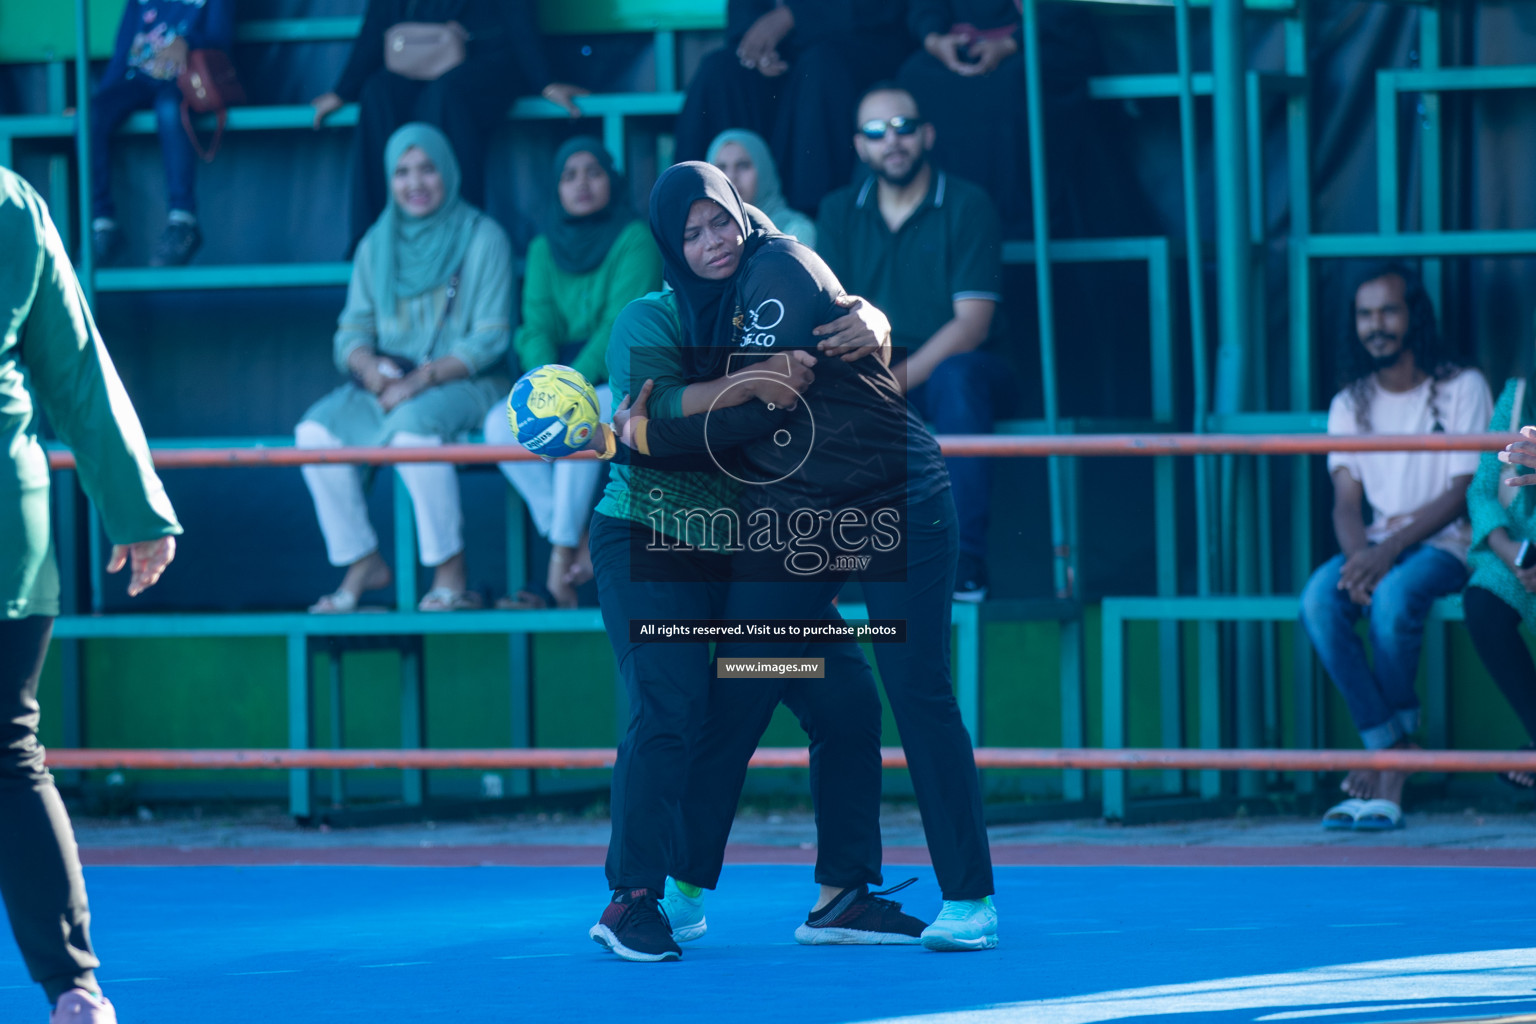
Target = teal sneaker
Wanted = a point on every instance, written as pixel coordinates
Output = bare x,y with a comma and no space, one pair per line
963,925
684,914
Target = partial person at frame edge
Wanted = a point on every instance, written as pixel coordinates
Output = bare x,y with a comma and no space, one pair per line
1502,592
500,57
154,40
52,361
792,72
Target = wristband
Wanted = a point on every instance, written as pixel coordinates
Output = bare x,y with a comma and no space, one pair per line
610,443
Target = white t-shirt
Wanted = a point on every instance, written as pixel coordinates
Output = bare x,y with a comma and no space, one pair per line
1397,483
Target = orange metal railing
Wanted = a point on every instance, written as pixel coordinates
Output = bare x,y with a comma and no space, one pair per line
1001,446
798,757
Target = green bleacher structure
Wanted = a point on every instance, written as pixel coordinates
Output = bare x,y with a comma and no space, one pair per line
1233,497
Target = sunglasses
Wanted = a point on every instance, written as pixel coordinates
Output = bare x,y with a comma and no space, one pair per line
876,130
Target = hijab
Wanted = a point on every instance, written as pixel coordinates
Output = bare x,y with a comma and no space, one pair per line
706,309
412,255
770,195
580,244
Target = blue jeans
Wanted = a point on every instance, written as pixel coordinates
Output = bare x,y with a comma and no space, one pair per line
963,396
110,107
1381,700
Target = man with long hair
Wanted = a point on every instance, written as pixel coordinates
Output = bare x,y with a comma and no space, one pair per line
1399,377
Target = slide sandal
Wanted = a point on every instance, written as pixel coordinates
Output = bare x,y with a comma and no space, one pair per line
1379,816
1342,816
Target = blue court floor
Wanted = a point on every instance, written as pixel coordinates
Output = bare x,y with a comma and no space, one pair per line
295,945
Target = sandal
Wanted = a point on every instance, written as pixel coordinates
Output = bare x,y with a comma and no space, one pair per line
443,599
522,601
341,602
1379,816
1509,778
1341,817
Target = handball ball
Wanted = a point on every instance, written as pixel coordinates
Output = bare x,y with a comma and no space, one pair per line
553,410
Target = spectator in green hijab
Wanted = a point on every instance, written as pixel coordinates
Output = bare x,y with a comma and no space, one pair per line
592,260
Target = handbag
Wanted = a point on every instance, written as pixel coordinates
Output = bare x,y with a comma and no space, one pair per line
208,86
424,50
403,366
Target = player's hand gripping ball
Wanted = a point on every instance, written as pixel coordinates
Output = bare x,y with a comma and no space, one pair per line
553,410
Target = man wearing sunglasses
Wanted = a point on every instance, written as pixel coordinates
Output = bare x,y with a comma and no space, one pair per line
924,246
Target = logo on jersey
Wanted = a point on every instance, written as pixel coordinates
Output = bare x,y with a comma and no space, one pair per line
768,315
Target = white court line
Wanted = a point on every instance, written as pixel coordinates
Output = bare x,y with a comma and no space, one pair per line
1378,1008
1111,931
409,963
248,974
530,956
1231,928
1507,975
1370,924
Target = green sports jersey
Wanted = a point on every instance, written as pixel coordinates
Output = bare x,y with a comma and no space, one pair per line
644,346
52,360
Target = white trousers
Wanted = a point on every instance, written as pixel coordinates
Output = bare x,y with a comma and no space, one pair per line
342,508
558,494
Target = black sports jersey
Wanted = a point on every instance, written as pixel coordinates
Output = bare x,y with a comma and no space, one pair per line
851,441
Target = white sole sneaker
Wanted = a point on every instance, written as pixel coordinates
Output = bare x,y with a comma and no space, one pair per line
603,936
808,936
950,944
689,932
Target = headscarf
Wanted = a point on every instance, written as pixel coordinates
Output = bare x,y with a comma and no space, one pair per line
580,244
412,255
770,196
705,308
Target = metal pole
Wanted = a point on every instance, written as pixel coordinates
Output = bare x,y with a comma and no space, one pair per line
86,262
1232,247
1065,584
1234,254
1207,648
1299,280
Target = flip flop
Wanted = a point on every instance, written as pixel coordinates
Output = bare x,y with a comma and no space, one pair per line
341,602
442,599
1342,816
1379,816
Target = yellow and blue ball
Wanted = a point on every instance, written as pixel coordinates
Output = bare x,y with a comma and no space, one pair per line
553,410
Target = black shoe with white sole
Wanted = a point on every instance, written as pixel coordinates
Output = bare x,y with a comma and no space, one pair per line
632,927
859,917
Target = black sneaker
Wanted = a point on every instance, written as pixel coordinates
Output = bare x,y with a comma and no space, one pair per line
177,243
970,579
861,918
106,244
632,927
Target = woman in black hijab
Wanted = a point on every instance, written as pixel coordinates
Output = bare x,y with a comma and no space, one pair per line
847,483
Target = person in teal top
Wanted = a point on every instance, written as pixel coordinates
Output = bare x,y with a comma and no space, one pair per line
53,362
1502,591
424,337
593,258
